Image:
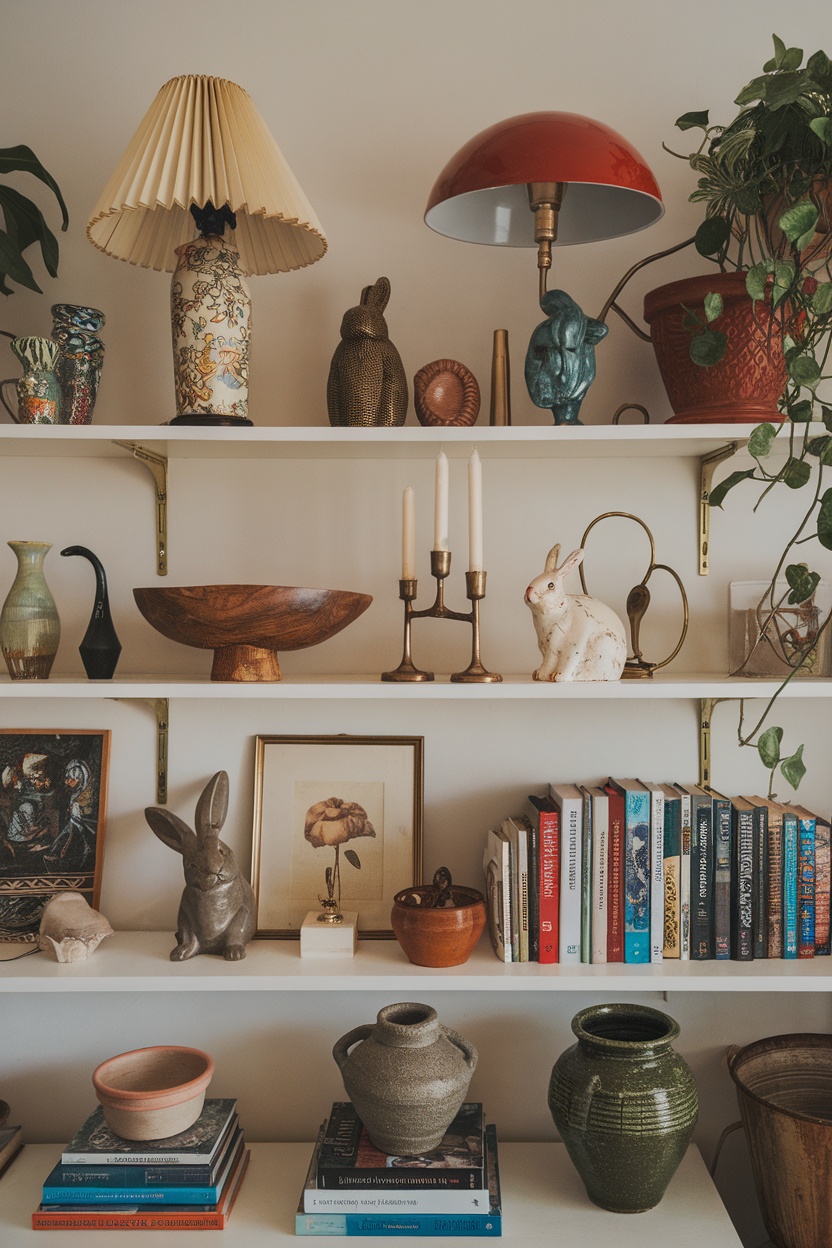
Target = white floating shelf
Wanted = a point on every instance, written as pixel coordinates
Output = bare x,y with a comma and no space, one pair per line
140,962
691,685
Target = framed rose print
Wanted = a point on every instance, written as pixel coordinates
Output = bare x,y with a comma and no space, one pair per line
53,809
327,806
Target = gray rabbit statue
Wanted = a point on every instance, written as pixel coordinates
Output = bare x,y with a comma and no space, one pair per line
217,910
367,384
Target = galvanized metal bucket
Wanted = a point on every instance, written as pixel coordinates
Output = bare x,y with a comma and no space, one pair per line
784,1089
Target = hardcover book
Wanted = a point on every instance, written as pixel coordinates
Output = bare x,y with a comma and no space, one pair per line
615,872
790,869
124,1176
656,871
723,854
685,808
774,875
515,831
587,836
672,852
701,874
145,1218
822,881
533,843
759,879
348,1158
486,1222
567,798
497,867
545,814
95,1144
636,869
599,893
742,880
805,883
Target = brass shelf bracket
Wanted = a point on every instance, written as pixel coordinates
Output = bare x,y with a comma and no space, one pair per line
161,709
707,466
706,712
157,465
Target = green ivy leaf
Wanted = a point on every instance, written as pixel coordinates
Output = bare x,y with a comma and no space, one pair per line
822,127
794,768
708,348
756,280
717,495
779,53
825,519
822,299
819,447
690,121
805,371
796,472
802,582
799,221
352,857
713,306
791,59
761,440
826,417
712,235
819,69
768,747
800,412
754,90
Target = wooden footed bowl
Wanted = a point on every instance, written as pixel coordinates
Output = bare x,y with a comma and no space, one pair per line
441,936
245,625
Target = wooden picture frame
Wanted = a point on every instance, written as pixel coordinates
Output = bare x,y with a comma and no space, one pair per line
53,811
372,789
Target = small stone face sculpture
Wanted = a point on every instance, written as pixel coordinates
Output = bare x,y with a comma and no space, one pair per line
560,361
580,637
217,911
70,929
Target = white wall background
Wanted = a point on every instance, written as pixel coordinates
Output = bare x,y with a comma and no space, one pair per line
368,99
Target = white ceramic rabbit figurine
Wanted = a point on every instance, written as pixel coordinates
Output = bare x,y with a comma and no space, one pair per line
580,637
217,910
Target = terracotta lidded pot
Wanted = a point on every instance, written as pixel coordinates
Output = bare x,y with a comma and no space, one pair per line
153,1093
438,924
625,1104
407,1076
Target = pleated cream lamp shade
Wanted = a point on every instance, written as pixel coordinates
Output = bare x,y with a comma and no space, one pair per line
202,142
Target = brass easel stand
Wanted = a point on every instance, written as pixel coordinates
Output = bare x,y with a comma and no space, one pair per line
440,567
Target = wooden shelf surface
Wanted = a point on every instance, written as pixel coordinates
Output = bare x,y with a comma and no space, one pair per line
139,962
540,1189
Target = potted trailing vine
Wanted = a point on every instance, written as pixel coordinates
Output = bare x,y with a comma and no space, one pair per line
764,182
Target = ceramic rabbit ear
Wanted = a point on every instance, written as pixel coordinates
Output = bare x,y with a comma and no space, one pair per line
212,806
570,562
170,829
378,295
552,558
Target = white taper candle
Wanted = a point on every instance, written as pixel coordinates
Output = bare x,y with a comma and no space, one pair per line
475,512
440,512
408,534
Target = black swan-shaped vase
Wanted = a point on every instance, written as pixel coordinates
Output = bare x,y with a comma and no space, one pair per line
101,647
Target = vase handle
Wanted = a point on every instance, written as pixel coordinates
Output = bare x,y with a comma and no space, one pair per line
466,1049
11,381
341,1047
731,1054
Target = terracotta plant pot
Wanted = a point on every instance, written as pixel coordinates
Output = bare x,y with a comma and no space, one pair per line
438,936
746,385
150,1094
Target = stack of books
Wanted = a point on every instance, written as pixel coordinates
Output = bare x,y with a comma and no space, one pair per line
352,1188
187,1182
625,871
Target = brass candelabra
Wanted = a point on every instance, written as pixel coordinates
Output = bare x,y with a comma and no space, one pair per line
440,567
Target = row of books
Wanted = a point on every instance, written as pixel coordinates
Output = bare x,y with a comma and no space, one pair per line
187,1182
352,1188
626,871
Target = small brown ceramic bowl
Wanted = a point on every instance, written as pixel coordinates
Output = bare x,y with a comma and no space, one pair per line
441,936
150,1094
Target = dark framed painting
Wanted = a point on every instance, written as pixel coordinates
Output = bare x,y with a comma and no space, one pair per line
345,804
53,810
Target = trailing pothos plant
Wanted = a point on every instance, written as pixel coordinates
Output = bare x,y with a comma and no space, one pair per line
765,182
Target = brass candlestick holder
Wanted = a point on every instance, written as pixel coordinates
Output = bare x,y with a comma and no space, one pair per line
440,567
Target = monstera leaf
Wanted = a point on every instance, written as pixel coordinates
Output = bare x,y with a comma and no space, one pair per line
24,222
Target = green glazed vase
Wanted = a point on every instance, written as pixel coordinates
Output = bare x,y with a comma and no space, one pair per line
625,1104
29,626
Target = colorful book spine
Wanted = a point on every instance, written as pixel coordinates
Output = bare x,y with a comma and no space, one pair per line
656,871
600,863
547,816
533,843
497,867
347,1157
805,886
760,880
615,874
672,852
567,798
685,812
587,837
790,859
774,878
702,876
721,817
519,856
742,881
823,883
388,1201
636,870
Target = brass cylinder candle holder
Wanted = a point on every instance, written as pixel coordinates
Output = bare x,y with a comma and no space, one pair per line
440,567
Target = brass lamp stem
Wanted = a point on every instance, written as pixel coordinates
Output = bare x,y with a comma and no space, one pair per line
545,199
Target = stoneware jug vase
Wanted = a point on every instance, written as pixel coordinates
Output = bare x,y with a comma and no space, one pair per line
29,626
407,1076
625,1104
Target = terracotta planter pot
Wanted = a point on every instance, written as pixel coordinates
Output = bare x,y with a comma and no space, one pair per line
150,1094
442,936
746,385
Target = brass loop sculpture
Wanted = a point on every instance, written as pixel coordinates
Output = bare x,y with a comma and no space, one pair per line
638,601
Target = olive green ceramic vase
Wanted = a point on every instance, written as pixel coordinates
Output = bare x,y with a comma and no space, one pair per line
625,1104
29,625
